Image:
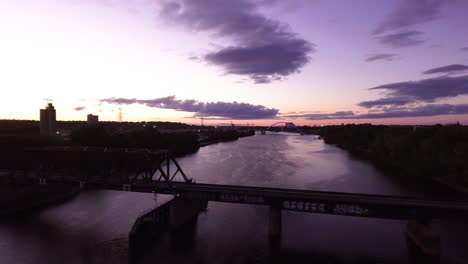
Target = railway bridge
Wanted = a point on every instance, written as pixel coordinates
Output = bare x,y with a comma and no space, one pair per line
142,170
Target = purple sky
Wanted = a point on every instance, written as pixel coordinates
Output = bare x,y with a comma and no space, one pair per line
249,61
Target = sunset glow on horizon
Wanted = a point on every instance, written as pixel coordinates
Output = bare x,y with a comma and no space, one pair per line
245,62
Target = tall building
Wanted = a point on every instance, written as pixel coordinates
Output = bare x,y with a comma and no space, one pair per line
93,119
48,124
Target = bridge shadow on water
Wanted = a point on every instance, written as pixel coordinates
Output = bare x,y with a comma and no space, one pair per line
240,235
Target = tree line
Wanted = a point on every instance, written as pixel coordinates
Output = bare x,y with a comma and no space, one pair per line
413,152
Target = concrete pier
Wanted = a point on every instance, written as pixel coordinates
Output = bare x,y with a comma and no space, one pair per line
183,210
274,222
175,215
274,231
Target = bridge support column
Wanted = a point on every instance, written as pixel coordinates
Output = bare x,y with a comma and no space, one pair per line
423,241
126,187
274,222
82,184
42,181
182,210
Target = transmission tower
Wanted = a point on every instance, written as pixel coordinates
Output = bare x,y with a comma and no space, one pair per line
120,115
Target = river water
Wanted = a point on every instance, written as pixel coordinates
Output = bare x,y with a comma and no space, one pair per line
92,228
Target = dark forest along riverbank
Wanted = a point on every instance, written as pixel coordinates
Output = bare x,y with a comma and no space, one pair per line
233,233
420,155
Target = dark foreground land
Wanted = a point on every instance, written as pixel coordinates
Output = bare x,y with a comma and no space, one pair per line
436,153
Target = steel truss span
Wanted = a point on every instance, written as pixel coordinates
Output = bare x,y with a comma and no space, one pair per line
287,124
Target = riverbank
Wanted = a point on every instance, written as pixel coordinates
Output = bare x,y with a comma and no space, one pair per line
226,137
425,155
19,200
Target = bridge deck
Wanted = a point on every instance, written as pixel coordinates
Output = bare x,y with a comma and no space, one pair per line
353,204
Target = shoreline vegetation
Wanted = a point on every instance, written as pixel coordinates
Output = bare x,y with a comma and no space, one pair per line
436,155
178,142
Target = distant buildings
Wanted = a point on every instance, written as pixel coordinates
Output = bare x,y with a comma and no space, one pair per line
93,119
48,122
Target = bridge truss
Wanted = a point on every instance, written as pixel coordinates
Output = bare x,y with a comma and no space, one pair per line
93,166
287,124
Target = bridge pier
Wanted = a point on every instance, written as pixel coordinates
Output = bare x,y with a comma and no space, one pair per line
182,210
179,216
42,181
423,241
274,230
274,222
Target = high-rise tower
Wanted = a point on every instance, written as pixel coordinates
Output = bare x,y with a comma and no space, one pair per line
93,119
48,123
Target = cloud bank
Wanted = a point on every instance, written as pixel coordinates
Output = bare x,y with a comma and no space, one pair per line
382,56
79,108
427,90
402,39
263,49
416,98
410,13
418,111
223,110
449,69
391,101
323,116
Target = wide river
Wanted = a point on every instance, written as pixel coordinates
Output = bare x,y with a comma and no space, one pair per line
92,228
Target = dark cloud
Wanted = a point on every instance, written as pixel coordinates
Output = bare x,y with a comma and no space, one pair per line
418,111
382,56
391,101
263,63
224,110
409,13
450,69
323,116
417,92
464,49
402,39
254,37
79,108
427,90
